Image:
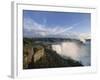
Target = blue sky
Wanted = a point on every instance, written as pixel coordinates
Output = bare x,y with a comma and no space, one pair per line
38,22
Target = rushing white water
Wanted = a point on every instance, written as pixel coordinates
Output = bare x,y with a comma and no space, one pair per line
74,50
57,48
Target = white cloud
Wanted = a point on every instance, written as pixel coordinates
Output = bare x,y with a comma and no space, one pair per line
85,35
34,29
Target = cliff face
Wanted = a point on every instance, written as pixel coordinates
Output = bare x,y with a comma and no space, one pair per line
50,59
42,56
27,55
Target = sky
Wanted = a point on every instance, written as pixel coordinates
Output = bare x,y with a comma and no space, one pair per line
47,23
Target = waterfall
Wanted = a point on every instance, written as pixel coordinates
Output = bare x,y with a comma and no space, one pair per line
57,48
70,49
78,52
